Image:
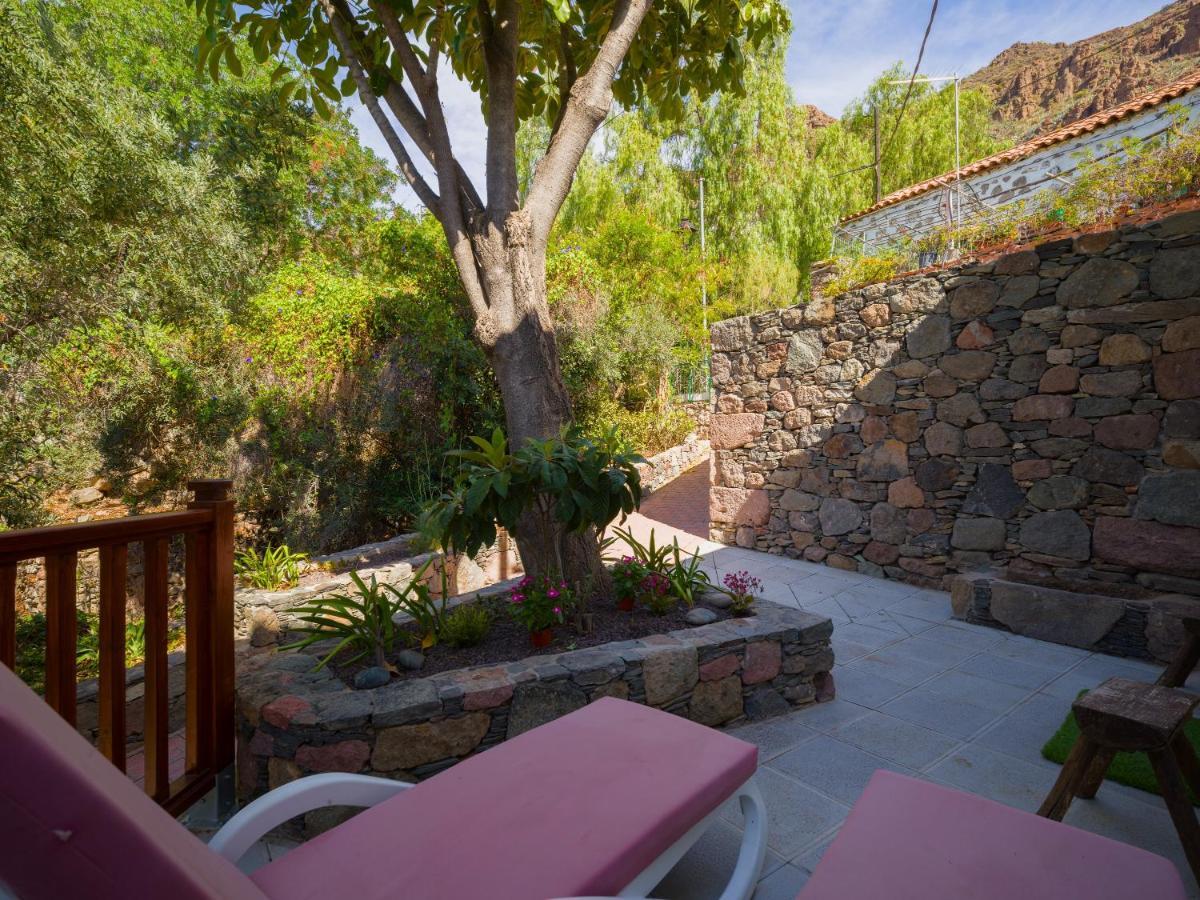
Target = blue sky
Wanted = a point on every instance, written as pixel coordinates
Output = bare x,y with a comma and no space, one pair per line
837,48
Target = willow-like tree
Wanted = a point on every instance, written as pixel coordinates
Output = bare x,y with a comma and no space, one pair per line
564,61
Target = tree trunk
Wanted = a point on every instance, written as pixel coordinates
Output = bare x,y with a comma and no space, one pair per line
524,355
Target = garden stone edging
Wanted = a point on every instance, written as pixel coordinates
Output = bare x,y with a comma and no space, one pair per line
294,721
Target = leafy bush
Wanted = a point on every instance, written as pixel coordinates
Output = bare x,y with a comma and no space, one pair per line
741,588
657,595
683,575
362,622
276,568
466,625
859,271
540,603
579,481
627,577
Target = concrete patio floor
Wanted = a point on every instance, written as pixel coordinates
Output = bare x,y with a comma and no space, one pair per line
918,693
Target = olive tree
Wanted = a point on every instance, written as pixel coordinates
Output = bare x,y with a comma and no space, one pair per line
562,61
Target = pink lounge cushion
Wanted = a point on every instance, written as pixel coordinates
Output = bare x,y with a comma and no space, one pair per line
577,807
907,839
71,825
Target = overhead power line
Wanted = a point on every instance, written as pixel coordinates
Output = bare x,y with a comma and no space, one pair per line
908,91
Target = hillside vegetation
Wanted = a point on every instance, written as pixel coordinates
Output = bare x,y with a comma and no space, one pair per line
208,279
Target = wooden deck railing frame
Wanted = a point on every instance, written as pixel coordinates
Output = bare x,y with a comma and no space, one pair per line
207,529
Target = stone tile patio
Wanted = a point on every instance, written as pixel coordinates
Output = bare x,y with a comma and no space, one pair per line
918,693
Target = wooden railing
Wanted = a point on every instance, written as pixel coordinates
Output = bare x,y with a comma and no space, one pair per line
207,529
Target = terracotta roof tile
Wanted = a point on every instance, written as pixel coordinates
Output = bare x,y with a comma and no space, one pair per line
1067,132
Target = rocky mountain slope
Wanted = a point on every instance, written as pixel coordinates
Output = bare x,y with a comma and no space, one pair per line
1039,86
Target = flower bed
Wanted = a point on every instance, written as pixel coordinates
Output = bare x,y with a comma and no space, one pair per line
294,721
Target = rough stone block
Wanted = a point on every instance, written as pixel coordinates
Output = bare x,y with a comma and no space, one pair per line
1142,544
728,431
1172,498
995,493
1059,533
1177,375
1046,614
1175,273
716,702
1042,407
884,461
929,337
1123,350
1098,282
978,534
1182,335
739,506
409,746
839,516
1127,432
669,674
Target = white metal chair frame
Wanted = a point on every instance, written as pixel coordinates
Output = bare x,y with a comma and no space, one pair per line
340,789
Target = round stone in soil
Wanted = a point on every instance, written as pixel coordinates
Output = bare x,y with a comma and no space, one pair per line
716,599
375,676
700,616
410,659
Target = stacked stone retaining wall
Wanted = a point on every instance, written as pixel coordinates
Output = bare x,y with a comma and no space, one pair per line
1037,414
294,721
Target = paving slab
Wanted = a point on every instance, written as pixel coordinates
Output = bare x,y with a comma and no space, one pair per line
896,740
945,715
797,815
835,768
865,688
705,869
1010,671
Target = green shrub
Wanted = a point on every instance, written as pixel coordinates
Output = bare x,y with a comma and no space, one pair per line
466,625
276,568
362,622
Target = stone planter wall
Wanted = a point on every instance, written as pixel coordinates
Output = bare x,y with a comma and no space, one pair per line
293,721
265,615
1038,413
665,467
1119,622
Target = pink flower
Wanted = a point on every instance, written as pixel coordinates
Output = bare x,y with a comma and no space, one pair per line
557,611
552,594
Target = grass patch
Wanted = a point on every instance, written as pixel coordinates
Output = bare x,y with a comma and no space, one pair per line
1132,769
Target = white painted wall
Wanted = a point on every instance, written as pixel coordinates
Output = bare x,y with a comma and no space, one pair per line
1050,168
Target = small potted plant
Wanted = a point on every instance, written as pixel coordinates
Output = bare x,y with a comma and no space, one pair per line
538,604
741,588
655,593
627,578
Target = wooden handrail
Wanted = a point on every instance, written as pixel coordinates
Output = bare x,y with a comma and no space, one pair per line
207,528
27,543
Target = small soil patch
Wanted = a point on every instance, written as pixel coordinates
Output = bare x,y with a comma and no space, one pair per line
508,641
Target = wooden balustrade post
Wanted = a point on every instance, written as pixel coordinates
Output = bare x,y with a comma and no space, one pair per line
213,493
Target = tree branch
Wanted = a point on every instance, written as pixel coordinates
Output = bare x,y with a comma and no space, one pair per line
345,43
591,98
567,75
500,53
452,180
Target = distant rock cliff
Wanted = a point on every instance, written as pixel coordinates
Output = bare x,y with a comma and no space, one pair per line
1039,86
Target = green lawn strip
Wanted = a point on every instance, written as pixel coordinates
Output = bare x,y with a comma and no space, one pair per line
1132,769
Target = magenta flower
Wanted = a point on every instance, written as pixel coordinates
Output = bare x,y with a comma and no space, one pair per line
552,594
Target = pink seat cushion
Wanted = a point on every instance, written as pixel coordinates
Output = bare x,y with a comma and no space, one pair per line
71,825
911,840
578,806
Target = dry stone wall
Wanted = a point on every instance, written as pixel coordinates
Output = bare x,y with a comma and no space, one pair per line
1039,413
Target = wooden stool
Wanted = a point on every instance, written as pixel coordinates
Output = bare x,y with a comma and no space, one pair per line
1122,715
